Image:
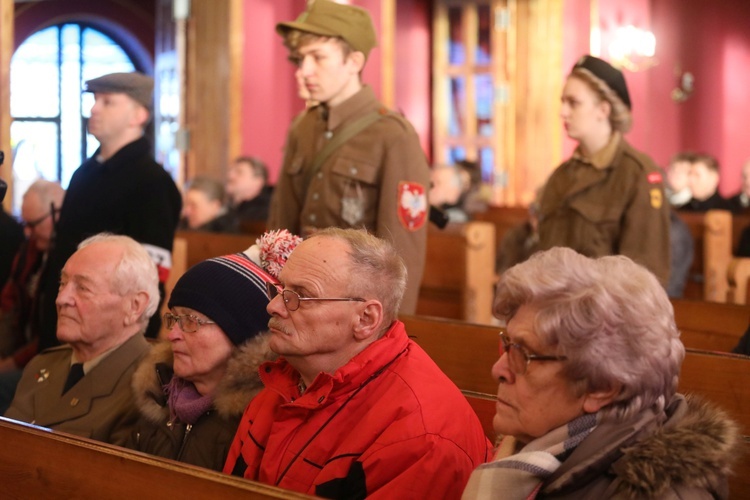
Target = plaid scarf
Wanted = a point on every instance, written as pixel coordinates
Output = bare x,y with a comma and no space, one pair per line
517,476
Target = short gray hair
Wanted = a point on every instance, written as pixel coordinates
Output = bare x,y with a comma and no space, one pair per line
381,272
136,271
49,193
609,316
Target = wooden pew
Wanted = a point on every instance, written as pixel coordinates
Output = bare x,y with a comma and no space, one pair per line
203,245
711,326
179,266
459,276
38,463
466,353
503,218
716,235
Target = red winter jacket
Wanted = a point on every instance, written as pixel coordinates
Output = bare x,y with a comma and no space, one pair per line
387,424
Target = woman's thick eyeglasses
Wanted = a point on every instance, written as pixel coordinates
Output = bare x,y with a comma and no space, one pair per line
519,358
292,299
188,323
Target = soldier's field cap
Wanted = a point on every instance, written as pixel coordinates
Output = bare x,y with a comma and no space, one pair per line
610,75
327,18
138,86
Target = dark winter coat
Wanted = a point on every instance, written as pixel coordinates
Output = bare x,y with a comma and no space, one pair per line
206,442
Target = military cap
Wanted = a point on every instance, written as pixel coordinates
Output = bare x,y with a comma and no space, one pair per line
608,74
327,18
138,86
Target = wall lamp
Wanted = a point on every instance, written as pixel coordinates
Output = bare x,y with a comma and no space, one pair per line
632,48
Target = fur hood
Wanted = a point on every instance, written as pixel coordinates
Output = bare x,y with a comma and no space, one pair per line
240,384
696,451
684,452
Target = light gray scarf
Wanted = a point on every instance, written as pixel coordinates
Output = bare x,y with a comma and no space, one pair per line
519,476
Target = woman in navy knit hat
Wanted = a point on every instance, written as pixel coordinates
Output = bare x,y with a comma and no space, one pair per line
608,198
192,390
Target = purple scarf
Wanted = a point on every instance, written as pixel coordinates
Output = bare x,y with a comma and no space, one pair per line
185,403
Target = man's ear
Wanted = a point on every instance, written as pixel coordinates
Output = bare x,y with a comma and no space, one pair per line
134,307
369,321
358,60
595,401
141,115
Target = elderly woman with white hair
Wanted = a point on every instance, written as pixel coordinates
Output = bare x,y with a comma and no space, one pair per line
608,197
586,403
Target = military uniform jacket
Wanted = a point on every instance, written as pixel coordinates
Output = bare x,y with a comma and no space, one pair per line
100,406
617,209
377,180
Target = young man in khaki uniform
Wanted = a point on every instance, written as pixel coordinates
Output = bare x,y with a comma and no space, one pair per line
349,162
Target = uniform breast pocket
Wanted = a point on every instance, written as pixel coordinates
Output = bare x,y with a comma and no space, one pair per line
597,211
354,192
598,225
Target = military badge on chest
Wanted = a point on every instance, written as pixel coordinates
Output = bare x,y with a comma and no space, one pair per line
353,204
412,205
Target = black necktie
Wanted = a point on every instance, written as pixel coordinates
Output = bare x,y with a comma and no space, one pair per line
76,374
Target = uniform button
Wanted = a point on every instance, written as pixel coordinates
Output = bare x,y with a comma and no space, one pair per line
315,196
353,170
312,217
320,175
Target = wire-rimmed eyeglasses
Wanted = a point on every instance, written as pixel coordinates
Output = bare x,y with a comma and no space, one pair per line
519,357
188,323
292,299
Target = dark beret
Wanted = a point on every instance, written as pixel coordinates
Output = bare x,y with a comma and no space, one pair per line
610,75
138,86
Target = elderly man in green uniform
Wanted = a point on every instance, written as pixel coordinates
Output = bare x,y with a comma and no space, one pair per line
108,291
349,162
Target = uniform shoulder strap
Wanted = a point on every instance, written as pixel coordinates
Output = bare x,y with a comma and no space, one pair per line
343,135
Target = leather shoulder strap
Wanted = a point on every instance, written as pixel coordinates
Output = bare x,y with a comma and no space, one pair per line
343,135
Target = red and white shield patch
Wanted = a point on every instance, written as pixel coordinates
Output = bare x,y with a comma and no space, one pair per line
412,205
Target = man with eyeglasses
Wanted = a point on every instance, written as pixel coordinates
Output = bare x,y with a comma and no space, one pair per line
108,290
353,407
19,296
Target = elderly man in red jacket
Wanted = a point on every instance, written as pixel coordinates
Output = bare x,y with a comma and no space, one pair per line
353,407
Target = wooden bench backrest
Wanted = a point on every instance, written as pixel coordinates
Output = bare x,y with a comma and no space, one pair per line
466,353
711,326
37,463
503,218
203,245
716,236
459,276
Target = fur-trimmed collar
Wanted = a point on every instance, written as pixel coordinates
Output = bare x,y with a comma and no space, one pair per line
239,385
695,452
691,445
